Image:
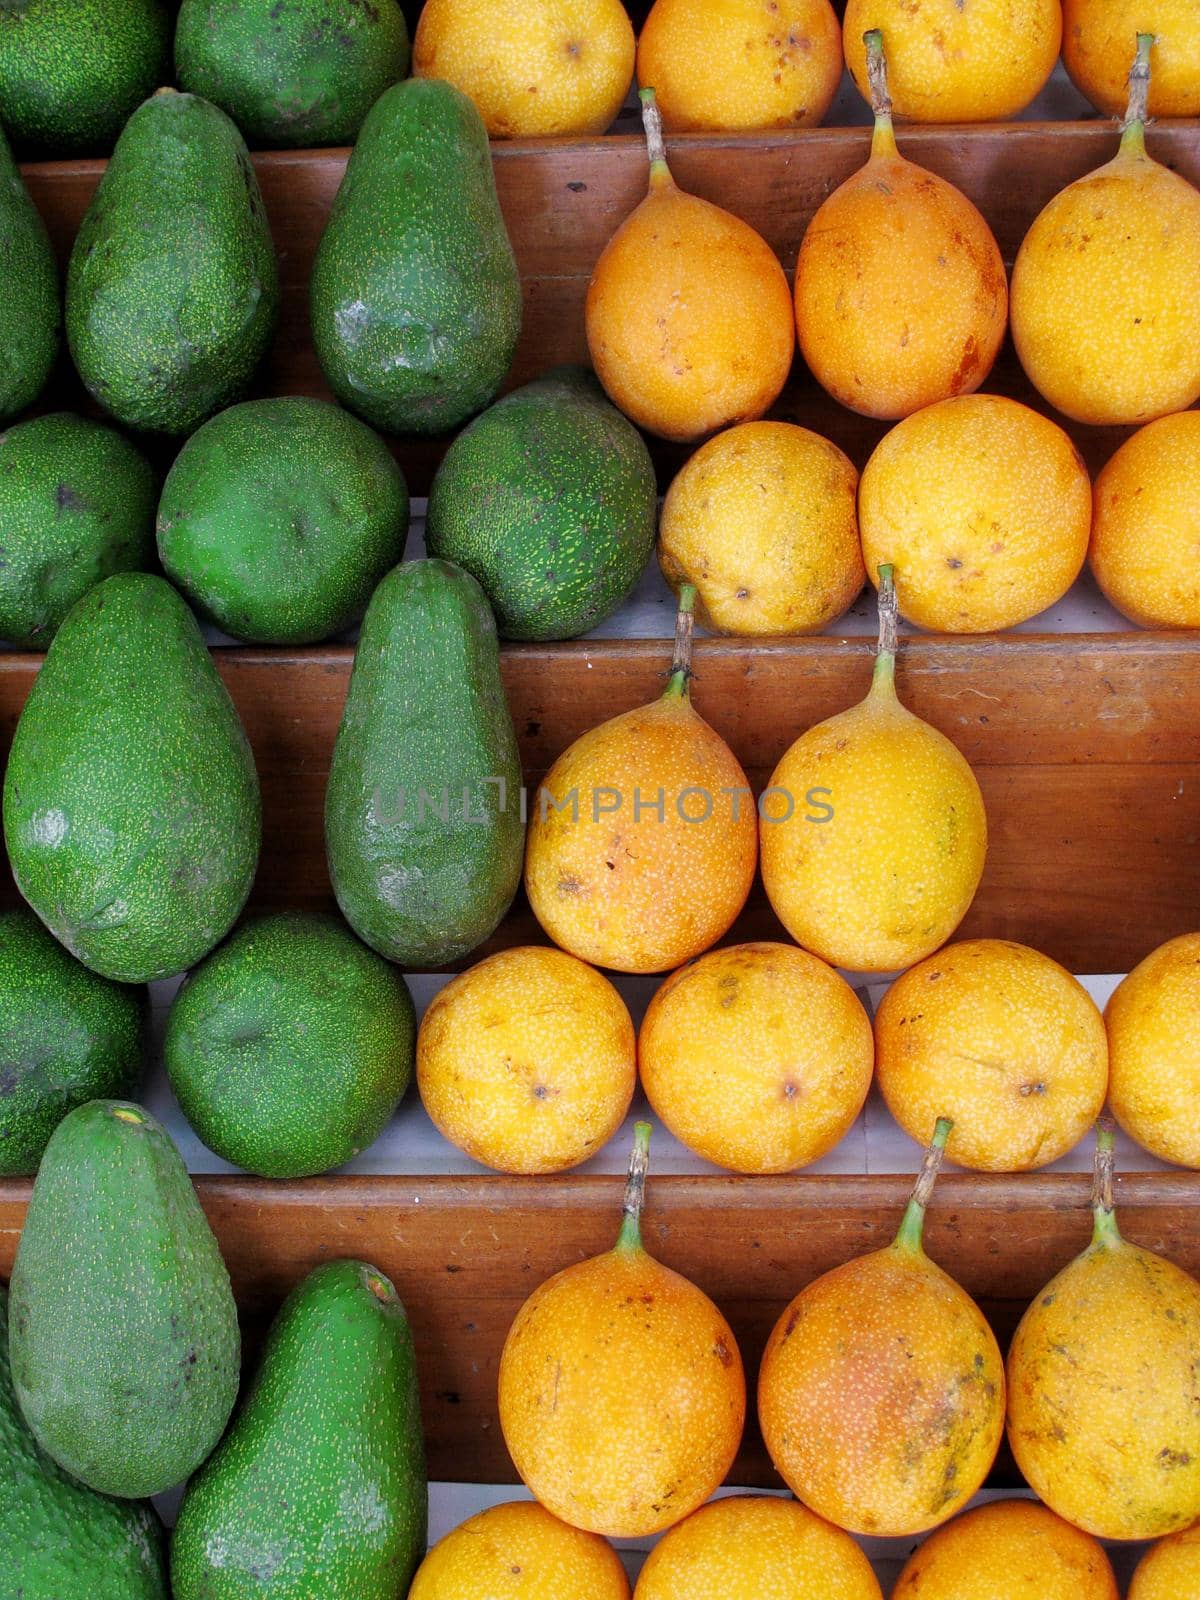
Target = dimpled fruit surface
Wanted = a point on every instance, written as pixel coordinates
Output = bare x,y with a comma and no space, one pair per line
1170,1570
1009,1550
1153,1019
1096,47
519,1551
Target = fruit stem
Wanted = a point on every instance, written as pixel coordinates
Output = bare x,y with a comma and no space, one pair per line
883,140
660,172
630,1236
1133,129
1104,1213
681,661
884,676
913,1224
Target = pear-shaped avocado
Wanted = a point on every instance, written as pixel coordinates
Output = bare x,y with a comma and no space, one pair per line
30,306
416,302
319,1487
423,824
131,804
124,1338
173,288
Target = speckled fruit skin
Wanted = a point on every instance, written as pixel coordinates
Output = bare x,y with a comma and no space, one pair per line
290,1046
689,321
527,1061
622,1396
888,877
66,1036
758,1057
318,1489
414,295
1003,1041
1170,1569
1008,1550
1153,1021
1106,292
71,71
292,75
172,289
888,1356
747,1548
76,505
1097,48
30,308
124,1335
620,888
1146,526
1102,1413
425,880
719,65
901,298
131,805
59,1538
549,499
279,517
518,1551
762,521
983,506
947,63
532,67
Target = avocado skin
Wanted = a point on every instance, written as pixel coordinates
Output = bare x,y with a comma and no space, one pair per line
76,505
31,304
131,803
415,298
549,500
425,710
59,1539
301,73
71,71
319,1487
279,517
67,1036
124,1339
290,1047
172,287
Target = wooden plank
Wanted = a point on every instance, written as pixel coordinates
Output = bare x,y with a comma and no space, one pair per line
1087,749
464,1255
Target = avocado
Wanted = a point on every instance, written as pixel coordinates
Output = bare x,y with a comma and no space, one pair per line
30,305
319,1489
290,1047
59,1539
279,517
423,819
124,1339
76,504
172,287
66,1036
416,302
548,499
131,805
300,73
71,71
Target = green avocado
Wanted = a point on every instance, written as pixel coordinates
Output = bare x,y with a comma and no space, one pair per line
59,1539
172,288
131,804
290,1047
30,304
71,71
66,1036
548,499
279,517
297,73
76,505
416,302
423,824
318,1491
124,1338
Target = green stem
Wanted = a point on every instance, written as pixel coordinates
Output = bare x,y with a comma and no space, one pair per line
883,140
884,676
681,660
913,1224
660,172
1104,1213
630,1236
1133,129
